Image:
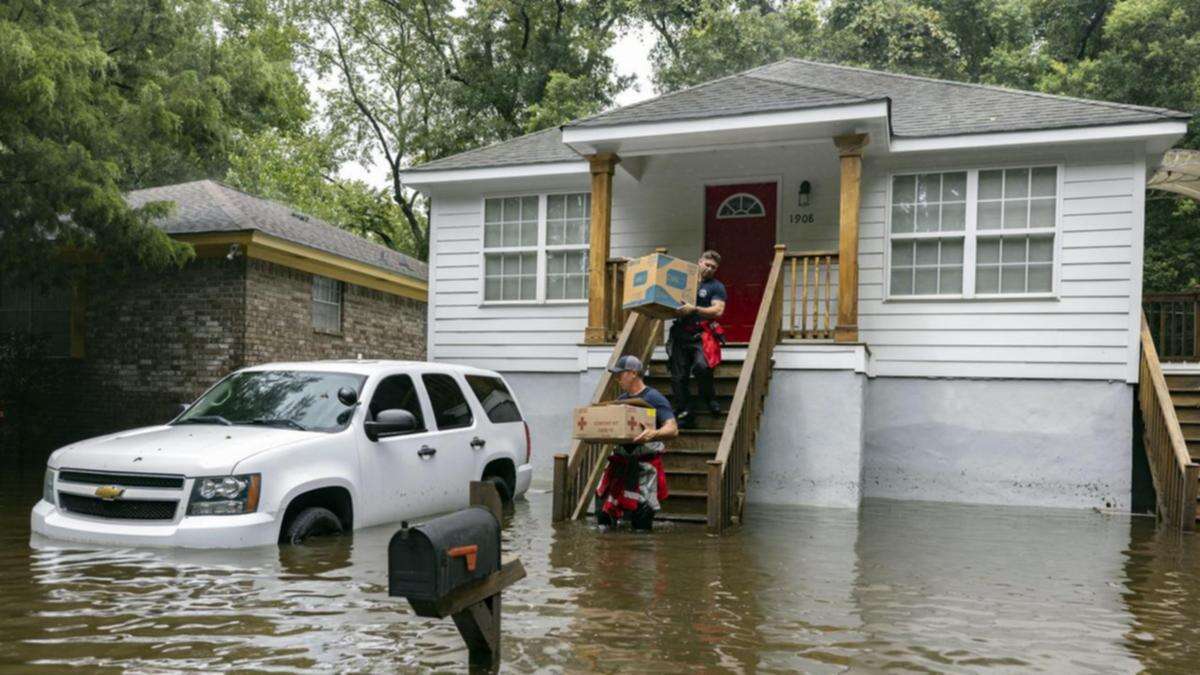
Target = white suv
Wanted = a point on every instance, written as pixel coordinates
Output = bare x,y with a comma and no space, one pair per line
284,451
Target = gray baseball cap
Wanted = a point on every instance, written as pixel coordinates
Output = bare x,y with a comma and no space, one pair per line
627,362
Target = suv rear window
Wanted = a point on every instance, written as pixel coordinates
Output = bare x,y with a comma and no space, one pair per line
450,407
495,399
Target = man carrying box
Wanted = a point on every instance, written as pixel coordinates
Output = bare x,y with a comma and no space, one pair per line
685,347
634,480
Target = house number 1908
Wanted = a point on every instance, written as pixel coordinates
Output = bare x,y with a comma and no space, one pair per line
800,218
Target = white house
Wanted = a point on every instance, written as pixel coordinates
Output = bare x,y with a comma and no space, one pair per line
981,345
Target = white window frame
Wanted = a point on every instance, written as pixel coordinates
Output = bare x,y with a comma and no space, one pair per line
971,235
762,207
340,304
541,249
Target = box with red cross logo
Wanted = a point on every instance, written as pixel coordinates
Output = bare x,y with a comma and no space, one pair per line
615,421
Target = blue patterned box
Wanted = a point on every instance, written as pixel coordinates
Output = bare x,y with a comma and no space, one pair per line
657,284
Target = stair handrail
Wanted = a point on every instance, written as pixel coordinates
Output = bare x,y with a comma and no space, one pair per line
572,486
727,470
1176,477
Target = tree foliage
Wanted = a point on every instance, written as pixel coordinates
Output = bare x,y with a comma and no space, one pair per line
98,98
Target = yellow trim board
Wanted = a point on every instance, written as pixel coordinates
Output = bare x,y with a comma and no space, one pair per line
307,259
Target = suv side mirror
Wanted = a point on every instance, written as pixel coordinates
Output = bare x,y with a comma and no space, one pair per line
393,422
347,396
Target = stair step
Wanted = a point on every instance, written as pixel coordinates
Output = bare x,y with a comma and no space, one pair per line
1183,382
682,517
1191,400
686,502
728,370
1188,415
687,461
724,388
698,440
688,481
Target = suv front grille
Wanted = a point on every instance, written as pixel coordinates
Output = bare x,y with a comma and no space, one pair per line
127,509
145,480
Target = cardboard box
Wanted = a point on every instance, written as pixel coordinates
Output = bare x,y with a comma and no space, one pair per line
615,421
657,284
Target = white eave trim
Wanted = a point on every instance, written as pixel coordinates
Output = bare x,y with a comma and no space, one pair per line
586,136
1167,129
434,177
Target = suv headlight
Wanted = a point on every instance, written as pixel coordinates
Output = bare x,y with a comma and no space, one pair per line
48,487
225,495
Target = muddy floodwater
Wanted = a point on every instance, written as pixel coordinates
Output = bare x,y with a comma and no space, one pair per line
912,586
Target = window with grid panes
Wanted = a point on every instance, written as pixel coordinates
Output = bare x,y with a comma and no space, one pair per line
928,228
567,218
326,305
1010,215
510,244
1015,229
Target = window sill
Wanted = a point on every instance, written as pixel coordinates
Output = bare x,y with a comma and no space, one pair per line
530,303
999,297
339,334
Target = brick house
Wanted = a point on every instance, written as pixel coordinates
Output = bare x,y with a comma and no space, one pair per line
267,284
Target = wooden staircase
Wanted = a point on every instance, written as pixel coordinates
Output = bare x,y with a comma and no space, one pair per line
707,467
687,457
1170,407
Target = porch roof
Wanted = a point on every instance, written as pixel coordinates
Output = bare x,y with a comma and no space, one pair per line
919,108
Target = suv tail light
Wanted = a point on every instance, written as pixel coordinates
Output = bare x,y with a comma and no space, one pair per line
528,443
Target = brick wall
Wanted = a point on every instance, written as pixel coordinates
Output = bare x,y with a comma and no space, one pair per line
279,323
154,341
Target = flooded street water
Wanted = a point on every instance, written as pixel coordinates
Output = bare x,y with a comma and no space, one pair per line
915,586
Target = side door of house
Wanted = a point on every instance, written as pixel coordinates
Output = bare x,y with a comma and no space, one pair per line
460,433
400,475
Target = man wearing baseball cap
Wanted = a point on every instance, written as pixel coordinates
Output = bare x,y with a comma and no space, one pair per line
634,481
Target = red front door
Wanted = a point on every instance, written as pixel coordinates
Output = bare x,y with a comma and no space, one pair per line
739,223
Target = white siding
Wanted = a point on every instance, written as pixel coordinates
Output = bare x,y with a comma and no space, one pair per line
1085,333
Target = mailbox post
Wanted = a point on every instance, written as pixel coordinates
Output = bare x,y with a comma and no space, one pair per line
451,566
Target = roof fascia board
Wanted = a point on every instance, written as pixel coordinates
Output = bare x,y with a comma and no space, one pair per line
307,259
1117,132
584,138
442,176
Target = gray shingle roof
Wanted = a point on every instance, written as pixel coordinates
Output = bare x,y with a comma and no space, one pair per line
208,206
921,107
536,148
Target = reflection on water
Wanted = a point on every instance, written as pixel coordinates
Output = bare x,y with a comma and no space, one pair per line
896,585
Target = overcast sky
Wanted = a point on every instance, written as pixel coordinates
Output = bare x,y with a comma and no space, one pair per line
630,54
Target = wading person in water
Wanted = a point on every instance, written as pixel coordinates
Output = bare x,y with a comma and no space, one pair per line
634,482
686,349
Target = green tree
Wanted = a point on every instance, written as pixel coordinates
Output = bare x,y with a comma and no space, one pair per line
302,170
416,81
897,35
701,40
98,98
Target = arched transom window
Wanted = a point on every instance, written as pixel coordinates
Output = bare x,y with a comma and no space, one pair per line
741,205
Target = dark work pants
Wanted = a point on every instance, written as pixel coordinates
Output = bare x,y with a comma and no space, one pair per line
686,361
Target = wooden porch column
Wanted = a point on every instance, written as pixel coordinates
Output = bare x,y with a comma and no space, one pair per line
600,229
850,148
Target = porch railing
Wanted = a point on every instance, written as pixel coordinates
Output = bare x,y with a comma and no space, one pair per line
809,294
614,297
728,471
1174,322
576,473
1176,477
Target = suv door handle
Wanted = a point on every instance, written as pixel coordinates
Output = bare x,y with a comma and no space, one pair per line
478,442
426,451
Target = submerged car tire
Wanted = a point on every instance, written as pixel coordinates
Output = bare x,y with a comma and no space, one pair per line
502,488
313,521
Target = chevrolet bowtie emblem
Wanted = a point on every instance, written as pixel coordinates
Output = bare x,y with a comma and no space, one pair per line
109,492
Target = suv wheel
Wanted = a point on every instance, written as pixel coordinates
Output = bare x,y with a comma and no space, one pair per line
502,488
313,521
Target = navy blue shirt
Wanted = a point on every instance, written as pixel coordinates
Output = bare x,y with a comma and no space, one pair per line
708,291
662,414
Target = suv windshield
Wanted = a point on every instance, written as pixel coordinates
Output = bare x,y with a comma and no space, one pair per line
285,398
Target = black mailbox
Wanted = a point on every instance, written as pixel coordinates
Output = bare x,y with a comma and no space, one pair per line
427,562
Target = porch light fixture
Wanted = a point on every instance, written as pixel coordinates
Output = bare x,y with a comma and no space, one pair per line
805,193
